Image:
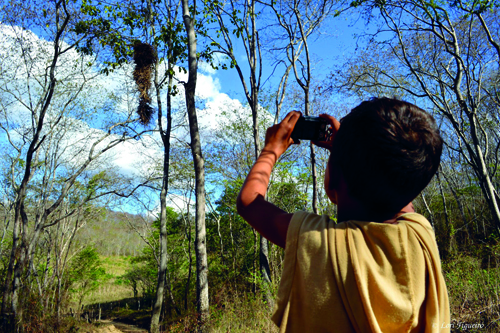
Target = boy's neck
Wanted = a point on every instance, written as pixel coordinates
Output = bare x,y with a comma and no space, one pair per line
351,209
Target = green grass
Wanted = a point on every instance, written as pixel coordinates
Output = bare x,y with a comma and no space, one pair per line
116,265
112,289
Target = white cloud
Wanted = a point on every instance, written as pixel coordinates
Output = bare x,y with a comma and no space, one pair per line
207,86
212,118
94,107
134,158
206,68
179,203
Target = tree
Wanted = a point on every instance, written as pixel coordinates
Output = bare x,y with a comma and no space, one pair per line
148,30
241,19
50,148
167,37
85,273
446,57
199,166
299,20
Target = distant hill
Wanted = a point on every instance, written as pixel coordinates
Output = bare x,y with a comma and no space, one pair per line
115,233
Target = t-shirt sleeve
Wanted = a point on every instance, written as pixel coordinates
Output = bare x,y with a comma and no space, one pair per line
303,226
281,305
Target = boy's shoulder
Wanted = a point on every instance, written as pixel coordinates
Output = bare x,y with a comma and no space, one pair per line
316,231
310,221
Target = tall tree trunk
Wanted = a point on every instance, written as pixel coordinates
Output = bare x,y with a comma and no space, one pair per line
188,281
448,243
162,268
255,58
162,281
488,188
479,164
431,215
314,173
165,136
199,166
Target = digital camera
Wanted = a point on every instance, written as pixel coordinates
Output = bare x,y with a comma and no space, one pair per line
310,128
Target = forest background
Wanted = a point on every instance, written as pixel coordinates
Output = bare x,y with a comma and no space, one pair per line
127,128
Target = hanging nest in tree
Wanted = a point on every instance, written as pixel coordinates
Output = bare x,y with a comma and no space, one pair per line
144,58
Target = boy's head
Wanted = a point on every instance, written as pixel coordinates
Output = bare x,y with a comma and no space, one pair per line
387,151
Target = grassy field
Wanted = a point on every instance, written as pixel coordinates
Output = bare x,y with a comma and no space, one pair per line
112,289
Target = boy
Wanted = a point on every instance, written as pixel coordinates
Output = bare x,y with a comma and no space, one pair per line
378,269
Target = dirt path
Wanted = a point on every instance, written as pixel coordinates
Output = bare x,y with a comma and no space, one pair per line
117,327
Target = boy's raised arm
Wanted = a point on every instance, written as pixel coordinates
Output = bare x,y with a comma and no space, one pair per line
270,221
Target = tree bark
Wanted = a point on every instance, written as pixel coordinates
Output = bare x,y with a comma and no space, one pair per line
449,235
202,303
162,268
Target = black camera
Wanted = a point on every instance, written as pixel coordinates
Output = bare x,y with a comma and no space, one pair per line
310,128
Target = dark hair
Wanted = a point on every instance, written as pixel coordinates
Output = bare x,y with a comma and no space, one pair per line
388,151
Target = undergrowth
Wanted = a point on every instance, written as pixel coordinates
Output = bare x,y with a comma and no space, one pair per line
232,313
474,293
473,286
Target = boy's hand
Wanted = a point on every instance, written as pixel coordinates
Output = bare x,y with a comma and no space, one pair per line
278,136
334,127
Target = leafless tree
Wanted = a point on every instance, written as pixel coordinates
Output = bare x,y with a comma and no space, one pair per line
446,58
239,19
299,20
51,148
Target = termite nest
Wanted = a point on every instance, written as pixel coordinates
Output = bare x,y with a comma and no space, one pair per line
144,58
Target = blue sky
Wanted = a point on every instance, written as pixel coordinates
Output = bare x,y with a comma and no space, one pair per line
333,43
222,89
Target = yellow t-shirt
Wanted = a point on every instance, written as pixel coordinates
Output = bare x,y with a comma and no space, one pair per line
361,277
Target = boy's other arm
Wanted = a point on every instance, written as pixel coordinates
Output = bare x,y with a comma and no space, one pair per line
269,220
